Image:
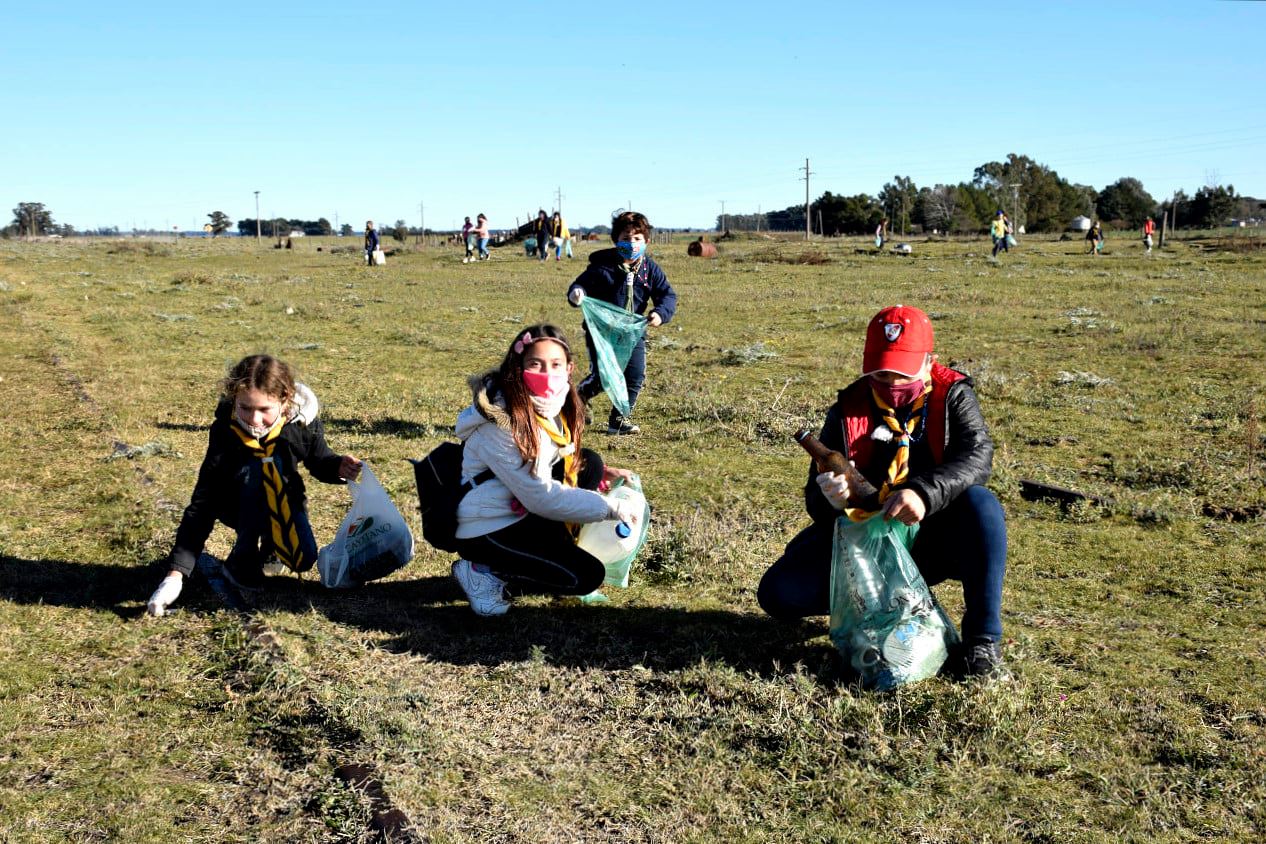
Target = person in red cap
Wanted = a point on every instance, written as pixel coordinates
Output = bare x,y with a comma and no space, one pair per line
914,429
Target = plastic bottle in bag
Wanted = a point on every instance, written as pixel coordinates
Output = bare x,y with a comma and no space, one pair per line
608,541
616,543
867,586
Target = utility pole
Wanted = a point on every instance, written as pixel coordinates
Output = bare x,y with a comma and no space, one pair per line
1015,205
722,201
758,219
421,224
257,217
336,226
558,197
807,174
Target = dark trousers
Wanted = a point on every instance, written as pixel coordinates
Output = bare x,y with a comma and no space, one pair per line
967,541
254,543
634,374
542,243
536,554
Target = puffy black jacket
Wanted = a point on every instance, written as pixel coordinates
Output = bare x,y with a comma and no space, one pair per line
967,459
605,278
217,494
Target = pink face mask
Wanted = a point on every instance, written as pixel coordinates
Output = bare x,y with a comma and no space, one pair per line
898,395
546,385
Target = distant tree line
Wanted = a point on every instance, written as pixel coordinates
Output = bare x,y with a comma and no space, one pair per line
1032,194
280,226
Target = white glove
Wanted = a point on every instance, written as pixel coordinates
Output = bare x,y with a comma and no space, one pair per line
575,295
835,488
624,511
166,593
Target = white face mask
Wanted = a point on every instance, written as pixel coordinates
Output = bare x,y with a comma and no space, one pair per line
255,431
550,407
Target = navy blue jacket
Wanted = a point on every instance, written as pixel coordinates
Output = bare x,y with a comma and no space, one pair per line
606,279
371,240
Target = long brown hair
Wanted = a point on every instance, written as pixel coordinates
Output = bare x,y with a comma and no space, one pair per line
508,381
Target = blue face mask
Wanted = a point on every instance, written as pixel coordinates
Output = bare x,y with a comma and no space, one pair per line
628,251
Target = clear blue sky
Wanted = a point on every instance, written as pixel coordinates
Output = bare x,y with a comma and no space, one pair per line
156,114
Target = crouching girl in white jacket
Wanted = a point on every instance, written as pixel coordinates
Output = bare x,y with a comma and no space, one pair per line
533,485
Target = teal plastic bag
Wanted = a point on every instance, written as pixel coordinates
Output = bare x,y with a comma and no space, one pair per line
614,332
884,619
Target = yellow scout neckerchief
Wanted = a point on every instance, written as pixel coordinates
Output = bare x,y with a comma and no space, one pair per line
899,469
560,435
284,534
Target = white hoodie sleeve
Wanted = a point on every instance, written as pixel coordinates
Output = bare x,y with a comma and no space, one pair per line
543,496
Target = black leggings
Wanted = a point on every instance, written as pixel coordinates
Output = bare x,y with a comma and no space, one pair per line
535,554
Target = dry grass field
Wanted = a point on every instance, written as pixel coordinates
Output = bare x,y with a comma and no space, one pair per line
677,712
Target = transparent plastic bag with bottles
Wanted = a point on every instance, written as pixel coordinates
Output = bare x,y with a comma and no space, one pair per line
884,619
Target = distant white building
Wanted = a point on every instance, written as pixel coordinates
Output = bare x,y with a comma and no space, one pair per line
295,233
1080,224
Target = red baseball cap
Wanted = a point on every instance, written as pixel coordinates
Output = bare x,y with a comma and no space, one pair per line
898,339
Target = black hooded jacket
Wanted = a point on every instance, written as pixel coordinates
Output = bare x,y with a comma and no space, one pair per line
217,494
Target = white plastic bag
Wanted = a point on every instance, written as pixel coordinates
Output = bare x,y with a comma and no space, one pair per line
373,541
380,257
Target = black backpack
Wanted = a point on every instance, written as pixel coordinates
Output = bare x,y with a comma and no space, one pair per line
440,490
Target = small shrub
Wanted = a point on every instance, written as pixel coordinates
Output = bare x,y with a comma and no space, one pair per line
748,354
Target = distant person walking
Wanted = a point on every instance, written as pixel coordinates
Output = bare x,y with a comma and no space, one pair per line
541,231
881,233
1149,228
481,236
1095,236
559,235
998,230
468,240
371,242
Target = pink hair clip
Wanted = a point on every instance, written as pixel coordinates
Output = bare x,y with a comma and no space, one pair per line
523,342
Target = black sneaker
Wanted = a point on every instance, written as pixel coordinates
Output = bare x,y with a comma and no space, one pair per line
621,426
983,659
242,574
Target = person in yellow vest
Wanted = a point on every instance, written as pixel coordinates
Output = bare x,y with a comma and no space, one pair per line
560,236
265,425
998,230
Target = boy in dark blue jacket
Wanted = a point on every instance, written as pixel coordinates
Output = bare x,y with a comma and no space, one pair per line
627,278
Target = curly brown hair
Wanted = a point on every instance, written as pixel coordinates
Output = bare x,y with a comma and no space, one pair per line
261,372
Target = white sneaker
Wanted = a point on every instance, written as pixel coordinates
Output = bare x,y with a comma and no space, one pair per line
485,591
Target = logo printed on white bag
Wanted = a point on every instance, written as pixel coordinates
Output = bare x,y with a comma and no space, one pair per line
365,522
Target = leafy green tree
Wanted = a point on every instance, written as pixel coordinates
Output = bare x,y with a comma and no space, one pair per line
32,219
1125,201
1212,207
345,230
898,199
220,223
1044,198
400,231
324,227
857,214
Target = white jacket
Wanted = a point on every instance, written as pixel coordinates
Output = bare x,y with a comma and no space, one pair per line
485,429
